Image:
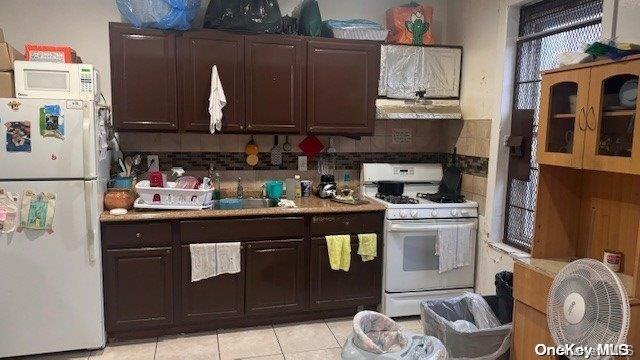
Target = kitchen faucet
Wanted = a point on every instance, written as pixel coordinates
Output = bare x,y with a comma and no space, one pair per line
240,190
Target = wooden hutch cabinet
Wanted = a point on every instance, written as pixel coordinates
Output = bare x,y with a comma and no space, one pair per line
588,198
585,120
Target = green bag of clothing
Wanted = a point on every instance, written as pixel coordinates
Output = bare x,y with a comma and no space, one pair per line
310,19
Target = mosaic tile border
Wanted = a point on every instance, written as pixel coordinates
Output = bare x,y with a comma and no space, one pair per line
199,161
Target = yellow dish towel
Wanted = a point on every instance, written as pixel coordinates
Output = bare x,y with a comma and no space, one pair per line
368,246
339,249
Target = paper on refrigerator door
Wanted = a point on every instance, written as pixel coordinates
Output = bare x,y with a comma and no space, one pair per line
37,210
8,212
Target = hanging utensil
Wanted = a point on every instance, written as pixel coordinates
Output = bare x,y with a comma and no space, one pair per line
286,146
251,148
276,152
128,163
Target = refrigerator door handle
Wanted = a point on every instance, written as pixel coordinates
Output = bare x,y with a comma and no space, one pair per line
88,210
87,133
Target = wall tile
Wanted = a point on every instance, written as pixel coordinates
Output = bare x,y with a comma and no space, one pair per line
209,143
229,143
380,127
378,144
190,142
344,144
364,144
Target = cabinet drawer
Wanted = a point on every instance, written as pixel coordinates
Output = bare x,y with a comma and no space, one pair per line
136,235
347,223
202,231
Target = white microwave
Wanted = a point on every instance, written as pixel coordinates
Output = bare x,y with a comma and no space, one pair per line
45,80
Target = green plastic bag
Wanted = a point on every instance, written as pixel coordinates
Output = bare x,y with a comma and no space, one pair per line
310,19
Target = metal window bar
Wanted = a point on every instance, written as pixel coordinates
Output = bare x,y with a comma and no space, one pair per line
546,29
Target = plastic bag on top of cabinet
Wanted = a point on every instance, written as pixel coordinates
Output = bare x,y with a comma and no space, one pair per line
404,70
310,18
160,14
248,16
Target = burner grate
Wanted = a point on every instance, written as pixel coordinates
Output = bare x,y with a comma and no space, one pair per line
397,199
442,198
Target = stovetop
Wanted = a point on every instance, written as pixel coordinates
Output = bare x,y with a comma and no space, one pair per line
443,198
395,199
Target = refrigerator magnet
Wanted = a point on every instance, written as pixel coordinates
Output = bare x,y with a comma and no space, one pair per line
8,212
51,122
37,210
14,105
18,136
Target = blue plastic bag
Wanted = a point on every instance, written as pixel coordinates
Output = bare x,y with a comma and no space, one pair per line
160,14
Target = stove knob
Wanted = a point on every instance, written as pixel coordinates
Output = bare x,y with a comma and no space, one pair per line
414,213
454,212
403,214
434,213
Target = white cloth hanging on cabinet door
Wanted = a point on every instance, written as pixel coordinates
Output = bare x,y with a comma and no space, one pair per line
217,101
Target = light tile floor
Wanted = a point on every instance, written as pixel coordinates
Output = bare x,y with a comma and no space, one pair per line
321,340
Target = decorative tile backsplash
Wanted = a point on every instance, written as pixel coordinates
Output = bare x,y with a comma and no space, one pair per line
235,161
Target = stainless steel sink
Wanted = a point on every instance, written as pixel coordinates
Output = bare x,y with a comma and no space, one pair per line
252,203
258,203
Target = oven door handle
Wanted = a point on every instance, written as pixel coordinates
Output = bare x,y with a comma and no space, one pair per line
423,228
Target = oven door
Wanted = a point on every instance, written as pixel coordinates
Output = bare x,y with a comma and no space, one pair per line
410,260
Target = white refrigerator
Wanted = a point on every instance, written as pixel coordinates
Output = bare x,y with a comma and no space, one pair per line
51,282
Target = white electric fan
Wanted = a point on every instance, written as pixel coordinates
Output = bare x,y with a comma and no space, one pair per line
587,306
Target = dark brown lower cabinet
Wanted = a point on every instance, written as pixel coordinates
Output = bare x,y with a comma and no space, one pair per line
218,297
285,273
275,279
138,288
361,285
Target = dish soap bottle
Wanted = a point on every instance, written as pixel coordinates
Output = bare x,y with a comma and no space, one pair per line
216,187
298,186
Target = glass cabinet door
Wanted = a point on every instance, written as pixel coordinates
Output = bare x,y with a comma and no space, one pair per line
612,138
563,109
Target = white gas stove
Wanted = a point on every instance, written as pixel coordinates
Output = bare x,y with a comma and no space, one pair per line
414,224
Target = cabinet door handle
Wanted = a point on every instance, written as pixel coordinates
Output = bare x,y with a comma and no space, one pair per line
583,117
139,235
593,112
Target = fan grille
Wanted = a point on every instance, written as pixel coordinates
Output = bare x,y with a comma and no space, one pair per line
606,315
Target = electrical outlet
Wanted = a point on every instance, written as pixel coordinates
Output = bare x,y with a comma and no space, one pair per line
302,163
153,163
401,136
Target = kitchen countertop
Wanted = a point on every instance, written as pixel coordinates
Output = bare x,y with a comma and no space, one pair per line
551,267
306,205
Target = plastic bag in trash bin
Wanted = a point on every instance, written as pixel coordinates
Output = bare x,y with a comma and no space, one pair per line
251,16
442,319
160,14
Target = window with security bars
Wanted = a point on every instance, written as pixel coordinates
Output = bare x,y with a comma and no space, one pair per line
547,28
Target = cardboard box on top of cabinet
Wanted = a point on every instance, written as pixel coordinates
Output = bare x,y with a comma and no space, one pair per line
8,55
7,89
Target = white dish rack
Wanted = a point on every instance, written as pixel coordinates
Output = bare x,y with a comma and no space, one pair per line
168,197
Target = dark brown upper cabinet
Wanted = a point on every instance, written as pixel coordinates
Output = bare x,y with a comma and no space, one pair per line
275,74
198,51
143,78
342,86
276,84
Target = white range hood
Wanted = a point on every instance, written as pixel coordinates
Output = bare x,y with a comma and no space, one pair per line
419,82
418,109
